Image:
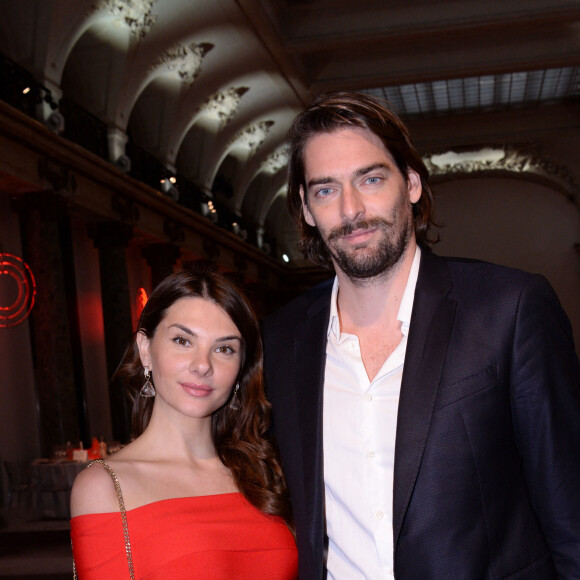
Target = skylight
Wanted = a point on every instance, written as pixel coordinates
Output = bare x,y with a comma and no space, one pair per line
483,92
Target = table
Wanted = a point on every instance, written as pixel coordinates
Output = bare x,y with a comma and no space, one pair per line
51,484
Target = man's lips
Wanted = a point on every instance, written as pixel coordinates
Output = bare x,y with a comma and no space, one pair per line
354,232
197,390
357,237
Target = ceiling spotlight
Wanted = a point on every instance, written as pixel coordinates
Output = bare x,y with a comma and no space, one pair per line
285,258
26,91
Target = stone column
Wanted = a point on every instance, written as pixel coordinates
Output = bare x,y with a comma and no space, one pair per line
111,239
44,224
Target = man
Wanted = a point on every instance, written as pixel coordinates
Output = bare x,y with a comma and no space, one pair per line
427,409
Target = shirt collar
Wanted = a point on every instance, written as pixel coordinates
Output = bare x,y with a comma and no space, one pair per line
405,308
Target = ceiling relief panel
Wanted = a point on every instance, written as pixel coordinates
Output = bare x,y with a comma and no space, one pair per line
184,60
137,15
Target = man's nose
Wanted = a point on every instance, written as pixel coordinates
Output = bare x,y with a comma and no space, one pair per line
352,204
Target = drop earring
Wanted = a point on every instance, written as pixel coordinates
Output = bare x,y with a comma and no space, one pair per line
235,402
147,390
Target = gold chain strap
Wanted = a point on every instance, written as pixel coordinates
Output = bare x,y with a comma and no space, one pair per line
123,519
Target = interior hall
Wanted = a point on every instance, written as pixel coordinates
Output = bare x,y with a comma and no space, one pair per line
140,136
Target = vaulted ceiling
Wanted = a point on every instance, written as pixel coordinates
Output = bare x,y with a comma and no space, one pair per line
209,87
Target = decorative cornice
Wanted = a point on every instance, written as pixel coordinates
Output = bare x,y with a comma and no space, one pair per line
173,230
56,176
276,160
125,208
136,14
252,137
223,105
500,159
185,60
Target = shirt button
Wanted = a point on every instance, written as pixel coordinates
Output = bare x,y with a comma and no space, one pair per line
379,515
371,454
368,397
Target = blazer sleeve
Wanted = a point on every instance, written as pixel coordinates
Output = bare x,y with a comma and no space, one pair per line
545,398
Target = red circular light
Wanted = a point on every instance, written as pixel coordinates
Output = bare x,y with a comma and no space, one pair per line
19,303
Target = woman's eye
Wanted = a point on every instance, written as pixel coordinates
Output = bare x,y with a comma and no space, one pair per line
181,340
225,349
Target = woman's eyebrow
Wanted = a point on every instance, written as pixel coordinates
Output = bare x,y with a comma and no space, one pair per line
183,329
190,332
226,338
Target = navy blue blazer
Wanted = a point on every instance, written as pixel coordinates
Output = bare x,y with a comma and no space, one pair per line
487,454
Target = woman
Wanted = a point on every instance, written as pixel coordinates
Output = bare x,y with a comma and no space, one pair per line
200,492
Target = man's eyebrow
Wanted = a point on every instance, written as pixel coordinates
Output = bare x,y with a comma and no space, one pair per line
319,181
369,168
358,173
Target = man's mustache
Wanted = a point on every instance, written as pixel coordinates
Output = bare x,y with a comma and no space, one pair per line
347,228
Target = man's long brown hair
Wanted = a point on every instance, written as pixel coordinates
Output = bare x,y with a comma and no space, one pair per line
340,110
240,436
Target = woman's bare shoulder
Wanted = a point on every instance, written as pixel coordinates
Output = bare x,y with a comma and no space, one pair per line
93,492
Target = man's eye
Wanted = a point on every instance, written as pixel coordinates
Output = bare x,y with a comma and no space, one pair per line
324,191
373,180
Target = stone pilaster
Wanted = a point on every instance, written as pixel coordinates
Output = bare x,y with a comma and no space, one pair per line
111,239
59,394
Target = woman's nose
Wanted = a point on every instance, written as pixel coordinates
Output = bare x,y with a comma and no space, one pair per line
201,362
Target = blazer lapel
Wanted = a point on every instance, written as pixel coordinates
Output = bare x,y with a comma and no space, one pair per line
430,330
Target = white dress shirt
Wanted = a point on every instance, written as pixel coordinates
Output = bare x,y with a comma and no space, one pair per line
359,425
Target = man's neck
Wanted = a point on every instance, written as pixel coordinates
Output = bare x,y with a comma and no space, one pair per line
374,301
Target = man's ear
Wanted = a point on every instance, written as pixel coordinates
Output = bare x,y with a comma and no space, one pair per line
305,211
414,186
143,345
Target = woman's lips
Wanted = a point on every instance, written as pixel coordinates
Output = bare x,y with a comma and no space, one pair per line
197,390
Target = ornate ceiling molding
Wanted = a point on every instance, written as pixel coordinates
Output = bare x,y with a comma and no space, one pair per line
501,159
223,105
136,14
252,137
276,160
185,60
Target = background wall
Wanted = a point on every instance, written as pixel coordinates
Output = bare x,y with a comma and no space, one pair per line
515,223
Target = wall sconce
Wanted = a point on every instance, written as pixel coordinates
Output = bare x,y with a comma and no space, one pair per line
242,233
209,211
168,187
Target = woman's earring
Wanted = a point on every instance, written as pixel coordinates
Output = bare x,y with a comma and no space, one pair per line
235,402
147,390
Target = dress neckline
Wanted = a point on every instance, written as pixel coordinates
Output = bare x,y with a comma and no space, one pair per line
191,498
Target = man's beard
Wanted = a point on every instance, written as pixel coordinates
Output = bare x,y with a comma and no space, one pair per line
364,263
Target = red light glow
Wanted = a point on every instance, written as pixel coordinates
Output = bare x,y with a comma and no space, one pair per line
141,301
17,289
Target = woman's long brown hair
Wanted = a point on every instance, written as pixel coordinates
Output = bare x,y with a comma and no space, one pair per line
240,436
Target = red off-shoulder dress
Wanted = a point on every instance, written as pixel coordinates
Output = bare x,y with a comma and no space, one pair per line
217,537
